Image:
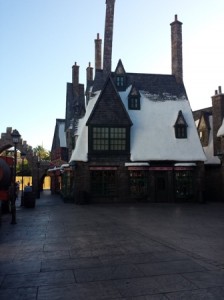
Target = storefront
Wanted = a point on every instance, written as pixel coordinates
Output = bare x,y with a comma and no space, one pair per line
139,182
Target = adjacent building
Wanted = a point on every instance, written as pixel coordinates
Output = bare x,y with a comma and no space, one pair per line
210,126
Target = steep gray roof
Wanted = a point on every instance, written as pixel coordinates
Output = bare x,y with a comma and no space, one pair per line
162,85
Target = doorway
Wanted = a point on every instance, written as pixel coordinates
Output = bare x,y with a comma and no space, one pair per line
161,187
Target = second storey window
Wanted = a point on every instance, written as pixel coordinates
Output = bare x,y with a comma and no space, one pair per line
134,103
181,131
109,139
180,126
120,81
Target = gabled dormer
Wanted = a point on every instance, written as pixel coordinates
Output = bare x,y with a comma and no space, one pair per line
134,99
109,123
204,129
120,77
180,126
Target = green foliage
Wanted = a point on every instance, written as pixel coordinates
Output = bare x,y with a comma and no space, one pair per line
42,153
23,169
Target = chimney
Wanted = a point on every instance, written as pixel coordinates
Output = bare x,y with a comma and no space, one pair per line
176,45
89,73
98,53
108,37
218,115
75,77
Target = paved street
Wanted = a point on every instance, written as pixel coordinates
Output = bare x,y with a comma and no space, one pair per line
122,251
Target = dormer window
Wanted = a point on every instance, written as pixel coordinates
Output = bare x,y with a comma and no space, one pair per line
180,126
120,81
120,77
134,103
134,99
181,132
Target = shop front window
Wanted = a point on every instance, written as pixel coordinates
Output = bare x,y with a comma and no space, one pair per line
138,183
103,183
184,185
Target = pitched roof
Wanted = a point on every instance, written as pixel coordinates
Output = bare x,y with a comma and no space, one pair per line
158,84
59,139
109,108
152,133
209,150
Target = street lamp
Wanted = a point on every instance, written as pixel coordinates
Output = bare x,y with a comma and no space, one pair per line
15,138
22,155
38,175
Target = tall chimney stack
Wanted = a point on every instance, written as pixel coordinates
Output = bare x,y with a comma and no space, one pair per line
177,57
108,37
218,116
98,53
75,77
89,73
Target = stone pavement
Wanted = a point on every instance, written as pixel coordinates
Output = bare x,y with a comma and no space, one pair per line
139,251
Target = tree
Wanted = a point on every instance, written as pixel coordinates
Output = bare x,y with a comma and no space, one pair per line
42,153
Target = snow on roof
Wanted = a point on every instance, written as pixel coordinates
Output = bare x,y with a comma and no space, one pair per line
152,133
61,132
185,165
209,150
80,153
140,164
221,130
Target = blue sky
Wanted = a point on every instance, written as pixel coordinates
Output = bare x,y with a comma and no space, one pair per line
41,40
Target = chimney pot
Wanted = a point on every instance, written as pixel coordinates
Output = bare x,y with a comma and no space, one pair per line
220,90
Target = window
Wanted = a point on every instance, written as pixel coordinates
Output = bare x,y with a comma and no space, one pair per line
138,183
120,81
103,183
181,131
109,139
134,103
180,126
184,184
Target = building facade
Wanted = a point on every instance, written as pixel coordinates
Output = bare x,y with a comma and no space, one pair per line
136,139
209,122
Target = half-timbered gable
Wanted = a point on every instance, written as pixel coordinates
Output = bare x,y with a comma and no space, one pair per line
204,128
109,124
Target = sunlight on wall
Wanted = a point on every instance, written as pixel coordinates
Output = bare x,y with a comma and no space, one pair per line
28,179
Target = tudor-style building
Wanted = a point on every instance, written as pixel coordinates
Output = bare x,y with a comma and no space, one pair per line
137,139
210,128
138,144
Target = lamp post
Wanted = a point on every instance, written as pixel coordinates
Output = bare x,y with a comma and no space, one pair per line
22,155
38,175
15,138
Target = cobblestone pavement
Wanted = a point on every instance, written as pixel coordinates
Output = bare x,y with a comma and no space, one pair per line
138,251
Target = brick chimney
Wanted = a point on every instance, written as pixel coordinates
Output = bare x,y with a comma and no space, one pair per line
218,115
75,78
176,45
108,37
89,73
98,53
